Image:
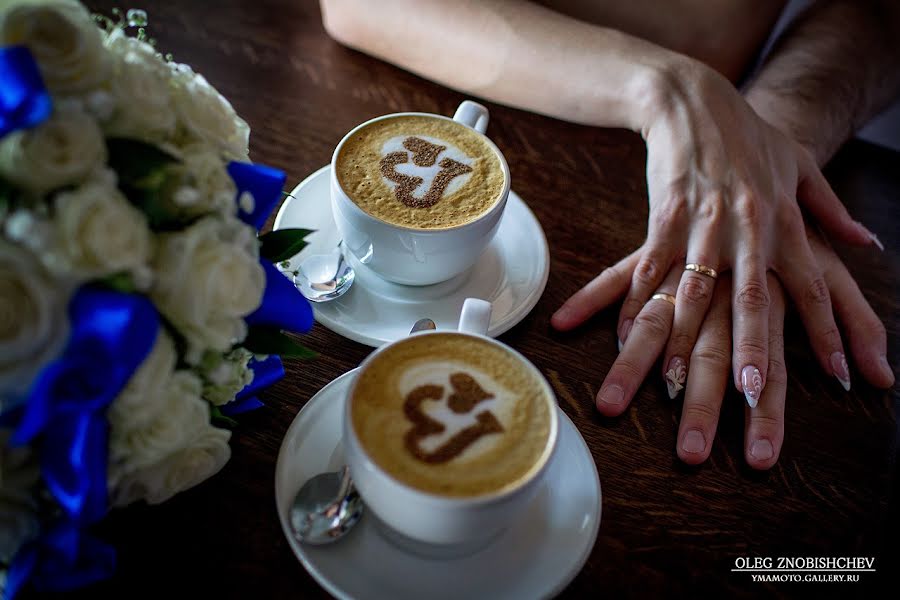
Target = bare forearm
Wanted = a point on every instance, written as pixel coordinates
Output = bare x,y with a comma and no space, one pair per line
515,53
834,70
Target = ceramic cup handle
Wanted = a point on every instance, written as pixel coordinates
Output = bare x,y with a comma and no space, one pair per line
475,317
473,115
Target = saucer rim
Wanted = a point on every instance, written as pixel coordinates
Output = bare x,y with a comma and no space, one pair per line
332,588
510,320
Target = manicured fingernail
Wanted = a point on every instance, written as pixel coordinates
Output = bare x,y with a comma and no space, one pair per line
840,369
872,237
762,450
694,442
612,395
626,329
619,342
886,367
751,381
676,376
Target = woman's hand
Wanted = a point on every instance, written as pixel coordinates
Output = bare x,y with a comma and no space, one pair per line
711,356
723,189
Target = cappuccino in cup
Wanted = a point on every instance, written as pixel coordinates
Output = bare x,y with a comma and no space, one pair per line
453,415
420,172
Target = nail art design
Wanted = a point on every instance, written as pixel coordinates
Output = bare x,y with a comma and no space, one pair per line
751,381
676,376
840,369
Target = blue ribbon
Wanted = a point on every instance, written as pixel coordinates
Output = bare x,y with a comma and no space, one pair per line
64,558
111,335
265,373
24,101
283,306
264,183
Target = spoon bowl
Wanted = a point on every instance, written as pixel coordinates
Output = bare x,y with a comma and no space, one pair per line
326,508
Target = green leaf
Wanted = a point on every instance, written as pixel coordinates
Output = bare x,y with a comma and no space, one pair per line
218,418
283,244
269,340
138,163
121,282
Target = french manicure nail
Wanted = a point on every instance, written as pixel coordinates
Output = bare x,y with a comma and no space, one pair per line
612,395
694,442
751,381
872,237
626,329
886,367
676,376
618,341
840,369
762,450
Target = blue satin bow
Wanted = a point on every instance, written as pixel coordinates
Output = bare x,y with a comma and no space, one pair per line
24,101
65,419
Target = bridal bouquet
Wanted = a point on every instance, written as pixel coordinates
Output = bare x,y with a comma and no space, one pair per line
139,310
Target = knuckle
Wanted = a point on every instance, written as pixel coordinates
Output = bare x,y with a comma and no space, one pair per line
816,292
749,211
670,212
713,355
681,343
753,296
763,422
653,323
874,329
777,374
701,413
648,270
711,209
696,289
750,346
776,344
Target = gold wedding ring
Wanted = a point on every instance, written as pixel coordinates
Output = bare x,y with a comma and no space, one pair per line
667,297
703,270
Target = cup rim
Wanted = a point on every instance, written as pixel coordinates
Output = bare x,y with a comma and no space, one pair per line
498,204
497,496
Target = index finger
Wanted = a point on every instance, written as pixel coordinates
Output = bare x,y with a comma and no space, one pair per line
603,290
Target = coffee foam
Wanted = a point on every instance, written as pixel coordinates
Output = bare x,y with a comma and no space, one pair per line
361,172
497,460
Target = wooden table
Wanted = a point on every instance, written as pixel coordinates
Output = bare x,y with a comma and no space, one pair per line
666,529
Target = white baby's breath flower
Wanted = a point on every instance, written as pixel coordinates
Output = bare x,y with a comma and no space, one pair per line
141,92
203,458
98,232
19,476
208,278
205,115
224,375
61,151
204,172
65,42
33,321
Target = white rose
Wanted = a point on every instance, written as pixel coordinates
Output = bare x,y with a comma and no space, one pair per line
208,278
65,42
19,477
207,116
181,416
208,175
140,90
33,321
179,471
98,232
145,394
224,375
63,150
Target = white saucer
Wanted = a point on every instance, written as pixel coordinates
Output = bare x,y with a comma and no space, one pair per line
511,274
535,558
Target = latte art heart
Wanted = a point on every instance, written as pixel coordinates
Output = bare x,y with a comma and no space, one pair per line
420,172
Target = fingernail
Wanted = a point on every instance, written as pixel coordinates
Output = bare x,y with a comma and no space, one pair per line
886,367
762,450
751,381
618,341
612,395
694,442
872,237
676,376
840,369
626,329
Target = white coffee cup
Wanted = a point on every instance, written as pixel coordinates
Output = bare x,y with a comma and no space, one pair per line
417,256
458,524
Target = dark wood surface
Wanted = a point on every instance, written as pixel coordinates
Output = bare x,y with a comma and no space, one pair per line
666,529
